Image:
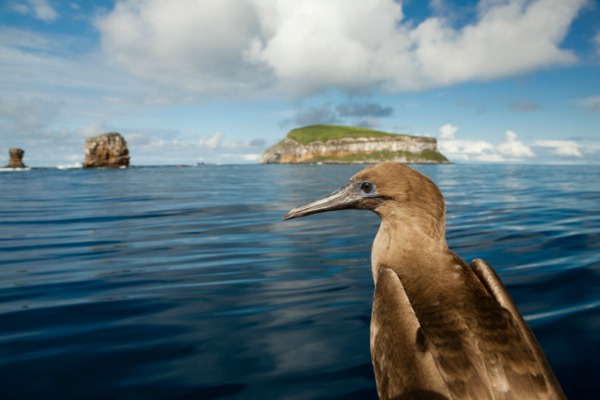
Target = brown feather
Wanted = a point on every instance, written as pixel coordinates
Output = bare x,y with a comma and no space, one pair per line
395,334
440,329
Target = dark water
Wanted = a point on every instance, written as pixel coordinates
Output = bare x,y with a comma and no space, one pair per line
184,283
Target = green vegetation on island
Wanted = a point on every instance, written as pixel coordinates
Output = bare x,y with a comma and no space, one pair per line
350,144
323,133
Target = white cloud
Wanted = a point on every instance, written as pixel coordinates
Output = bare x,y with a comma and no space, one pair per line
330,51
467,150
251,157
195,46
41,9
225,46
512,148
464,149
448,131
212,142
480,150
560,147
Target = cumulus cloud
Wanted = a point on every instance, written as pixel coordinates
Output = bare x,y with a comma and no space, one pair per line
567,148
463,149
512,149
193,45
468,150
448,131
40,9
240,46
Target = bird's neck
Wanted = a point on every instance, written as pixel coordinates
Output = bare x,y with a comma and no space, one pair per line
414,248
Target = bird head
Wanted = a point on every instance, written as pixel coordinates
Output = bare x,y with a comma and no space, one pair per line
392,190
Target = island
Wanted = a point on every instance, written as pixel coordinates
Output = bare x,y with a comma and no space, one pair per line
333,144
106,151
15,160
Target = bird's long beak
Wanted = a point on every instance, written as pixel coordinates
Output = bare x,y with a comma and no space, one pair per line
342,199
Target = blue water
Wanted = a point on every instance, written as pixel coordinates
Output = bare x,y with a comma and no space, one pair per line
184,283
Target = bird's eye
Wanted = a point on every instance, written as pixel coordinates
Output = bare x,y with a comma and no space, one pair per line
367,187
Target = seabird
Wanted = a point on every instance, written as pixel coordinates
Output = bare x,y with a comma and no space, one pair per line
440,328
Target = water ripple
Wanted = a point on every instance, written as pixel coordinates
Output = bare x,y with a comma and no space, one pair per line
185,283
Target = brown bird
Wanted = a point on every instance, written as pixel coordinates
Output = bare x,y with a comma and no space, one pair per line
440,328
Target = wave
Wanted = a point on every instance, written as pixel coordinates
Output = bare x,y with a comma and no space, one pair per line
14,169
70,166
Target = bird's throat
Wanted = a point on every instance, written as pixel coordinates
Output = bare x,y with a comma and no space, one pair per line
409,250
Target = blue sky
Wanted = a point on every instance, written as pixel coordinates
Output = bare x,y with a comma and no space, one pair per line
219,81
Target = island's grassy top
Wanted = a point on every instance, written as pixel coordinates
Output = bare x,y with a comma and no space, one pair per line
323,133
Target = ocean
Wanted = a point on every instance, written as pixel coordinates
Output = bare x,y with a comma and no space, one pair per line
185,283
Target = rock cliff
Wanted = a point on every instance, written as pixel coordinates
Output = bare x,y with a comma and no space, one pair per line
106,151
16,158
335,144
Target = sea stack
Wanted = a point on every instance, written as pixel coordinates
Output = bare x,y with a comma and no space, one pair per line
106,151
16,158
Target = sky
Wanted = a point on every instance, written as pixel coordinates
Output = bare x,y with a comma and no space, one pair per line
219,81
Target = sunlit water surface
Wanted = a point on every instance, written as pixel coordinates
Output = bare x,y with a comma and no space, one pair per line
184,283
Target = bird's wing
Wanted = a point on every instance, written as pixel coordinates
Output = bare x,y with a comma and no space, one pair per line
435,352
403,366
496,289
471,350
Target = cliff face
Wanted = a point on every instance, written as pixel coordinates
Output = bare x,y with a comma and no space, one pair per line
400,148
106,151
